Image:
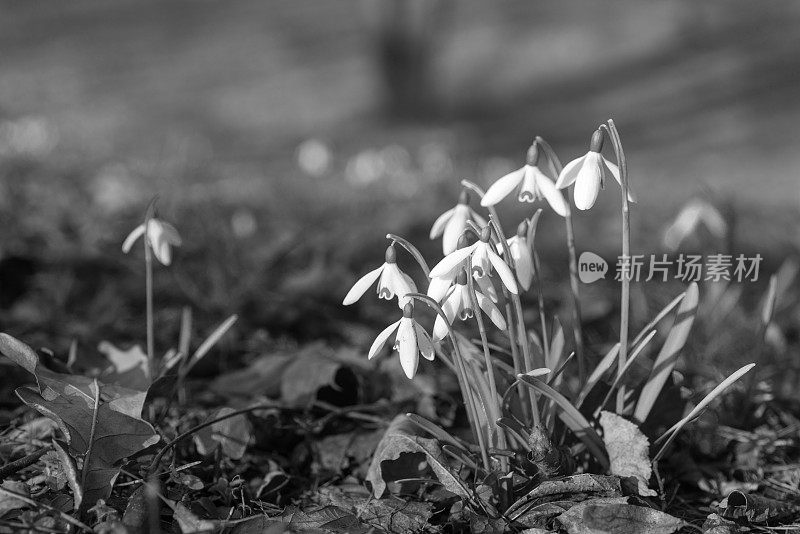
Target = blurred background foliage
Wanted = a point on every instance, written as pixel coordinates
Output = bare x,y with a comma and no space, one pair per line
284,139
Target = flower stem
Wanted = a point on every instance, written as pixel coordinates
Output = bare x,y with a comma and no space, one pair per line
530,239
414,251
519,367
466,392
577,326
487,357
148,269
626,260
522,332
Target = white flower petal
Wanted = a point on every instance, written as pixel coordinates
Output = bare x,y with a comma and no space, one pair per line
454,228
394,283
502,187
570,172
492,311
587,184
504,271
439,329
411,287
614,170
551,193
361,286
438,287
380,341
438,225
132,237
451,261
424,342
453,304
163,251
523,261
487,288
480,221
170,234
406,344
480,261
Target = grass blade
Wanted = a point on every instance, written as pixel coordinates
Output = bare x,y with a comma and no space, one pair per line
602,368
210,341
435,430
638,349
670,434
768,307
668,356
663,313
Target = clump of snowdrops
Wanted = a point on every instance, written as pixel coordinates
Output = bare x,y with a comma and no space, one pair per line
526,417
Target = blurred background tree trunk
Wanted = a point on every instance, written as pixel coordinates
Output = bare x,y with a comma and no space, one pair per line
405,34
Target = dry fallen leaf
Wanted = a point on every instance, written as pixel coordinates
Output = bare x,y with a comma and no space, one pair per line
401,438
627,450
590,517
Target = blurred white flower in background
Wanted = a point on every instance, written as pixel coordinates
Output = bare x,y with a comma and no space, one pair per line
364,168
114,188
243,223
161,236
28,135
314,157
695,213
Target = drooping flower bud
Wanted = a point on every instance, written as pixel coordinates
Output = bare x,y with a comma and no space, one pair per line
596,144
522,229
391,254
486,233
532,158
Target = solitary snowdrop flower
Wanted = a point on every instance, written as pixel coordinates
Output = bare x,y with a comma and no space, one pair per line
588,173
452,223
459,304
693,214
161,237
521,253
533,185
484,261
411,341
393,282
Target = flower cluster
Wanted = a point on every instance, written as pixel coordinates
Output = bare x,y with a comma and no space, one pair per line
466,281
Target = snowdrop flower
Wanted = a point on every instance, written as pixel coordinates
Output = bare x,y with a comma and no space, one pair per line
484,261
693,214
459,304
161,237
533,185
588,173
392,282
452,223
521,253
411,341
439,286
